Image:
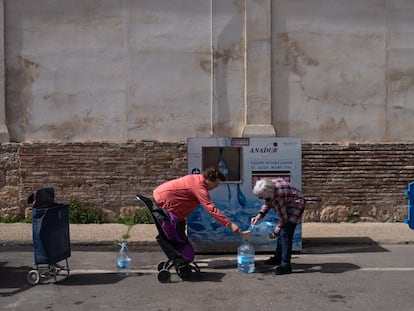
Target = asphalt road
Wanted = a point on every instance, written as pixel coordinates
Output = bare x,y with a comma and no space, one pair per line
343,277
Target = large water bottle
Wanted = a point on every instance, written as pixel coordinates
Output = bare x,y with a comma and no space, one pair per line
223,168
222,165
245,257
123,261
263,228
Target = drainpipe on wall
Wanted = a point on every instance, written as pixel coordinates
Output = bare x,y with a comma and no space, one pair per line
4,133
211,70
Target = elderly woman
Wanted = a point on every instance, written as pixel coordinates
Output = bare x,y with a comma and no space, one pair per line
288,202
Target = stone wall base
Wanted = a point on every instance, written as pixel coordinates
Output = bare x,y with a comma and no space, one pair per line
352,182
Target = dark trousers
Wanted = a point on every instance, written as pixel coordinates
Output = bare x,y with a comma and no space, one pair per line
283,250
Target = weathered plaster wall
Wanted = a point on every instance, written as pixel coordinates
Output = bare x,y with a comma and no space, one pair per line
131,70
120,70
343,70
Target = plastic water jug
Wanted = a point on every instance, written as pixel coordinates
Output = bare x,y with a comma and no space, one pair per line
245,257
263,228
123,261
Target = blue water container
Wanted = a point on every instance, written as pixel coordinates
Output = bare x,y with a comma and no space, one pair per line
410,193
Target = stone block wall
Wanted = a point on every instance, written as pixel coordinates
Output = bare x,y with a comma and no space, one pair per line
107,175
356,182
341,182
9,181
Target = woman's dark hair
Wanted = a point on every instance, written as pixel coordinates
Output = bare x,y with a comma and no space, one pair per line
213,173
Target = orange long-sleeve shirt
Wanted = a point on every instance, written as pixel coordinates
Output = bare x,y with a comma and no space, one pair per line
181,196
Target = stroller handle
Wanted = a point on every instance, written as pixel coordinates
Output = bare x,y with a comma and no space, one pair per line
146,201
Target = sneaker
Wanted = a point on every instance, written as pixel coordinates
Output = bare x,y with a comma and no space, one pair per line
282,270
272,261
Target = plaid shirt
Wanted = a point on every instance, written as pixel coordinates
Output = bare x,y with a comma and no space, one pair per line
288,203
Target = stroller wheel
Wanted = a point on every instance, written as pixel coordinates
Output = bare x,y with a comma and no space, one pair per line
164,276
184,272
195,267
161,265
33,277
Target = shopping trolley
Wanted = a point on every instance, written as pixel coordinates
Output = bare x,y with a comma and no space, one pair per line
51,242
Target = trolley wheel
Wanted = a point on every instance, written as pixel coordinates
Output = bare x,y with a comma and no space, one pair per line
164,276
184,273
33,277
53,270
161,265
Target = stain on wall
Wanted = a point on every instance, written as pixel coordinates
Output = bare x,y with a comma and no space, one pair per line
105,71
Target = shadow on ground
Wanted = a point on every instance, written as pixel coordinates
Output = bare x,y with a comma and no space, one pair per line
340,245
260,267
92,279
13,280
326,267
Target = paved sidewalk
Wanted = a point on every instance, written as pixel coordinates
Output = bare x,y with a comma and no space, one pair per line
312,233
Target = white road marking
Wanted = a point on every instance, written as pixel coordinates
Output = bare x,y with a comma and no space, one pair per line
386,269
222,262
108,271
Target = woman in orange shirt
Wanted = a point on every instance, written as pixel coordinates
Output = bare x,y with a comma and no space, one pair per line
181,196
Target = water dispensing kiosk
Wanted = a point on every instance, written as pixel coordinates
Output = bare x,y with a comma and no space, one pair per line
243,161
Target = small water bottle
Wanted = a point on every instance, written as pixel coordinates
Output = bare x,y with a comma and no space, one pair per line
245,257
123,261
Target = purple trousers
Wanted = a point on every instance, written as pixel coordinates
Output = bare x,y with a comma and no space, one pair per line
175,231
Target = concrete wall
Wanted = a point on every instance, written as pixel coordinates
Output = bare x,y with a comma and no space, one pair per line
114,70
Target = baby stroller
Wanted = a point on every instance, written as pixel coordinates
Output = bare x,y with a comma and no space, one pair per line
50,229
185,268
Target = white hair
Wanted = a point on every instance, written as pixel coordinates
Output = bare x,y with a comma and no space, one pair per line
264,188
